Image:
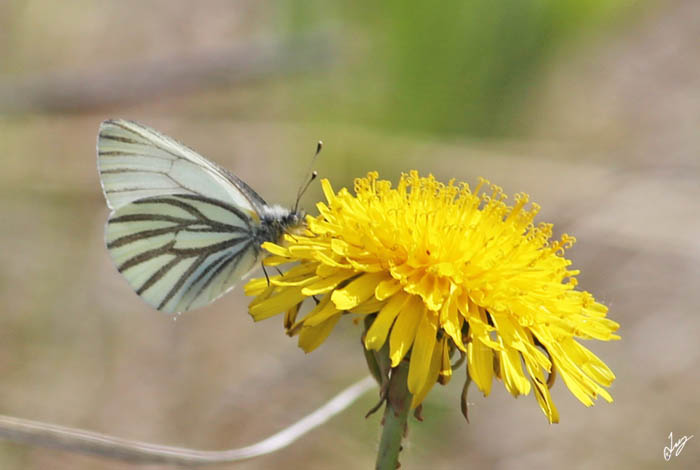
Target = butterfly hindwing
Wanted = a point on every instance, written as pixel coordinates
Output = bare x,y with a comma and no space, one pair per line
181,251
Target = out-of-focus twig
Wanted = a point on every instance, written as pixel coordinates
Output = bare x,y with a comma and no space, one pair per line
86,442
135,82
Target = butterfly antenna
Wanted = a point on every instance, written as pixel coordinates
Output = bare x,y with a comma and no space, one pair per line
312,174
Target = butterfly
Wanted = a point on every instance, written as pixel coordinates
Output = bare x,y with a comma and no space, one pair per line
182,230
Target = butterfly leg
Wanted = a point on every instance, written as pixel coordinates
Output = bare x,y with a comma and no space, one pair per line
266,275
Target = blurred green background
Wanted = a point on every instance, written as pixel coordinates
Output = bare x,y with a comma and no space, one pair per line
591,106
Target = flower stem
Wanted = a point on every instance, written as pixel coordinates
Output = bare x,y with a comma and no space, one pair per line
398,404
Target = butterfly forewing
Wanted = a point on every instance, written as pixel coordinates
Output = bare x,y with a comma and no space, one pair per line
137,162
181,251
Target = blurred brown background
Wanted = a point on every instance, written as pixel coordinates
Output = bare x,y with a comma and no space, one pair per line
592,107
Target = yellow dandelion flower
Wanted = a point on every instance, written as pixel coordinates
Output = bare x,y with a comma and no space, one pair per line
442,269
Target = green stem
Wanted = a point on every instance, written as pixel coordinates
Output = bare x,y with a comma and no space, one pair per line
398,404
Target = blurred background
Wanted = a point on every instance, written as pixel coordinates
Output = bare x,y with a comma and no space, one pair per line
590,106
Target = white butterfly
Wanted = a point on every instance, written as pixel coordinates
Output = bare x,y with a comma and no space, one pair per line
182,230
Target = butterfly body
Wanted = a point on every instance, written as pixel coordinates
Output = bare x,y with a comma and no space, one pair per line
182,230
275,221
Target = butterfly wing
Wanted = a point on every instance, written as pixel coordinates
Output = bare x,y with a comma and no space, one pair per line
182,229
136,161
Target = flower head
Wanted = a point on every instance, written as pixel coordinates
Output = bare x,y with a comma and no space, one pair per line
443,269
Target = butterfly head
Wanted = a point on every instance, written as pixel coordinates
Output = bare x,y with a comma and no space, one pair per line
276,220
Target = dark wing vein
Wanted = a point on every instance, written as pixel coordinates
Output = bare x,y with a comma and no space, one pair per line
225,261
123,153
158,275
182,279
124,140
201,276
177,203
215,202
148,141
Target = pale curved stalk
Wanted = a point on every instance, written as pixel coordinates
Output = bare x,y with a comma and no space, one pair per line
86,442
